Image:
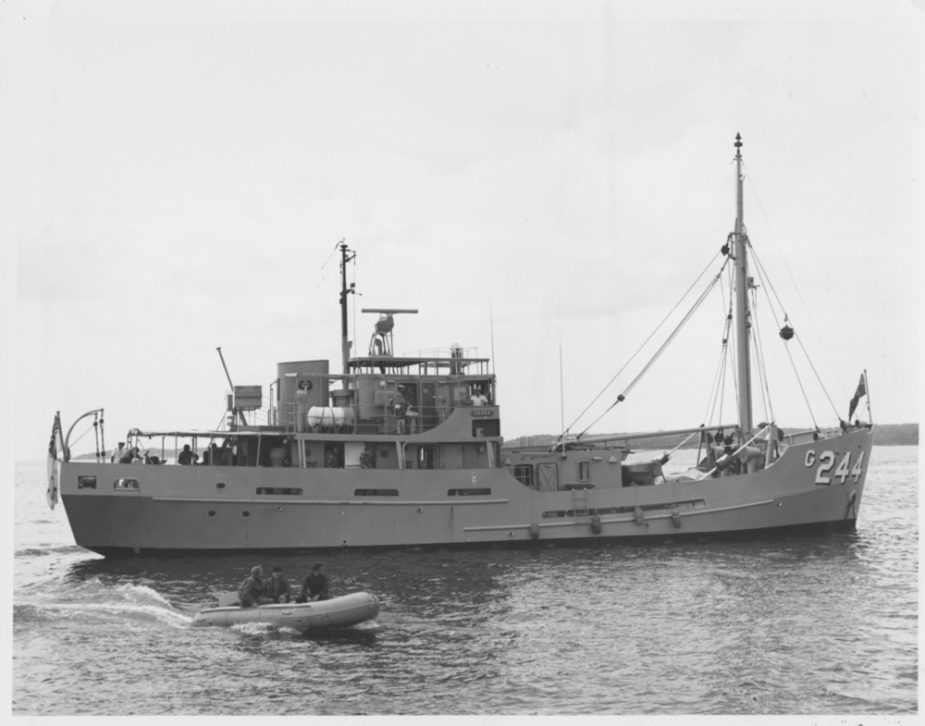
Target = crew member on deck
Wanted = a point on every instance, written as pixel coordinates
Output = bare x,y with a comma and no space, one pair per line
399,405
315,586
210,455
117,453
478,398
187,457
129,455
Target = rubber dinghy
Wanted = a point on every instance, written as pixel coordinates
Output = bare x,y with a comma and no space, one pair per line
338,612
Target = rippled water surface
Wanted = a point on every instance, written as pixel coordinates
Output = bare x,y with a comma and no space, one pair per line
795,625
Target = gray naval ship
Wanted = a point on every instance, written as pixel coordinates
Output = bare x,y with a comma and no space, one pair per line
399,451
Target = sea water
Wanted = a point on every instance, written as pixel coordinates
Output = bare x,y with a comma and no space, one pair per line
823,624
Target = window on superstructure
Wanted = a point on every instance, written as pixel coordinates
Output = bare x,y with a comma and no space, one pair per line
469,492
524,474
426,456
584,471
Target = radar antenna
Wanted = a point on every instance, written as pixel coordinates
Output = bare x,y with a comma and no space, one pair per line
380,345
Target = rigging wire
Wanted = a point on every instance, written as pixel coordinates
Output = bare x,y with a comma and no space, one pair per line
561,374
715,388
325,264
768,285
809,360
639,350
800,384
718,395
796,287
766,280
734,348
719,381
662,348
491,329
86,431
692,435
761,361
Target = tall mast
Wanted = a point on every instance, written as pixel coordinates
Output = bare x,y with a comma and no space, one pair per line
743,315
344,291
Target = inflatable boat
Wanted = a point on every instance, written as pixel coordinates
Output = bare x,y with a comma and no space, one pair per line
338,612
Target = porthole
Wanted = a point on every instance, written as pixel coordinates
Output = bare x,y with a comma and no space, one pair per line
245,514
211,512
220,485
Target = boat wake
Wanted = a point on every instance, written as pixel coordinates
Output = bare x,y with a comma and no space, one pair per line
95,601
261,629
361,631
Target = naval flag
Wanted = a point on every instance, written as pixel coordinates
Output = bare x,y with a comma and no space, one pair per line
858,394
51,494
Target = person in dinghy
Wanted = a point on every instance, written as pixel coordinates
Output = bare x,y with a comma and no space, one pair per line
277,587
315,586
252,590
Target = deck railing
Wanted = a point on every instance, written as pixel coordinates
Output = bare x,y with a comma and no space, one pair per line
362,419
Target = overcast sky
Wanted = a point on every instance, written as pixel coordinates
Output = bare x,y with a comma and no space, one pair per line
541,180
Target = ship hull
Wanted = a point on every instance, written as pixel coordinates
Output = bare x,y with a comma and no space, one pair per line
164,510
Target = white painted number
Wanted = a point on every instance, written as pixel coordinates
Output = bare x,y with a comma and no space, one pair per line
822,473
827,463
856,470
841,472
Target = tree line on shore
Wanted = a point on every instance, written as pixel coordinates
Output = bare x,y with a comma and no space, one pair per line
884,435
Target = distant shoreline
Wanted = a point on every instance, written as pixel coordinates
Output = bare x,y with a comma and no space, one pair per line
884,435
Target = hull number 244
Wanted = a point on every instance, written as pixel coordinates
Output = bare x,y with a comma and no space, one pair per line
826,463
